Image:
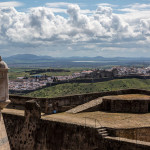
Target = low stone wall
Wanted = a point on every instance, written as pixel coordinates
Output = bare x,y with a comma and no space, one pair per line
67,102
125,106
141,133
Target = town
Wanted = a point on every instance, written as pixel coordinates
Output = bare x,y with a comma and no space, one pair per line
38,81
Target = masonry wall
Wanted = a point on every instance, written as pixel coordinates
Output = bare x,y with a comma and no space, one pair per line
46,135
4,143
125,106
33,134
67,102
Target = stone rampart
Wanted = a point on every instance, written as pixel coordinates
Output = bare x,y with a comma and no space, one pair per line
41,134
35,133
47,135
126,106
67,102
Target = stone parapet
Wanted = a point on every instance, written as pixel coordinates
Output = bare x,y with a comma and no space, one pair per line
135,104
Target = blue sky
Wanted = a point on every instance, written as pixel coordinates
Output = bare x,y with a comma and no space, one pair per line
88,4
66,28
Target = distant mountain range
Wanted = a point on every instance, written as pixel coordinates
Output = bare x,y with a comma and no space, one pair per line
23,57
34,60
26,57
35,57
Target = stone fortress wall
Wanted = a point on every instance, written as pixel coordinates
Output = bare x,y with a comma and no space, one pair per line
61,104
35,133
41,134
115,104
4,143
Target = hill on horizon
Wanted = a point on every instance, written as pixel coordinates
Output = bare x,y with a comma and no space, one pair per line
23,60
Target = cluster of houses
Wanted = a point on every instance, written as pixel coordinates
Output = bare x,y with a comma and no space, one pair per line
38,81
123,71
118,71
26,84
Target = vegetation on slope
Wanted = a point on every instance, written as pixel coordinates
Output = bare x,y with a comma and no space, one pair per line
21,72
79,88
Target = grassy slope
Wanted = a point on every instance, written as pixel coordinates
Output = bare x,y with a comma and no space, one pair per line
78,88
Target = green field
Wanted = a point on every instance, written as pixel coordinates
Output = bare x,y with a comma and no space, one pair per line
17,72
72,70
20,72
79,88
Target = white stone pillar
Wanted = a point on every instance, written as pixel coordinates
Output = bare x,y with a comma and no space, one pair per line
4,101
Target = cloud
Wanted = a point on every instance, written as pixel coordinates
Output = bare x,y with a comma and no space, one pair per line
11,4
145,27
58,4
61,7
127,10
139,6
59,10
136,7
107,5
41,27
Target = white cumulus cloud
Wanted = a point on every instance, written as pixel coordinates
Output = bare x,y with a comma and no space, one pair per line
102,28
58,4
11,4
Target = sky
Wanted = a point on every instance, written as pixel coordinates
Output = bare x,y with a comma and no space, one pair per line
64,28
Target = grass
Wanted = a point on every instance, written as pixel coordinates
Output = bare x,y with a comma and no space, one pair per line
20,72
17,72
80,88
72,70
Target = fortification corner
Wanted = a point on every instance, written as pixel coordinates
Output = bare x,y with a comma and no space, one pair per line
4,101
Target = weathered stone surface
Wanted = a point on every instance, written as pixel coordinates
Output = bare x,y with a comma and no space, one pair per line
32,110
23,131
4,143
4,100
4,94
50,135
33,133
133,103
